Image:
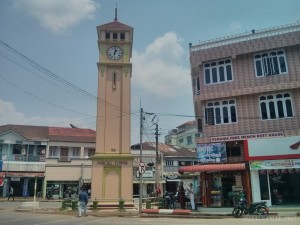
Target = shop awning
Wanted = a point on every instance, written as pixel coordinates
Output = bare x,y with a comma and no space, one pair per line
212,167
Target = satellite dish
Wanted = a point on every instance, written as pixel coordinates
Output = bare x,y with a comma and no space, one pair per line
73,126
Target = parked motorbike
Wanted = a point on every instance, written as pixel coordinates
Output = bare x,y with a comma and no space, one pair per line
169,200
256,208
49,195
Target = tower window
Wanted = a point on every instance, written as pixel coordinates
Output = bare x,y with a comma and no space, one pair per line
107,35
115,36
114,81
122,36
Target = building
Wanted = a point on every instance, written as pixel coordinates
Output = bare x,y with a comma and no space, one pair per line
112,163
57,159
246,89
184,135
170,158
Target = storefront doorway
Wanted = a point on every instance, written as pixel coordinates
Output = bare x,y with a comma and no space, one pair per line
285,188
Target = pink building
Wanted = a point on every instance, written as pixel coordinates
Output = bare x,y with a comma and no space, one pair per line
246,87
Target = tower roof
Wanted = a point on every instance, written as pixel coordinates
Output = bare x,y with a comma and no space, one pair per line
115,25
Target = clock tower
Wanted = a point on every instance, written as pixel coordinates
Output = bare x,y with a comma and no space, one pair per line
112,162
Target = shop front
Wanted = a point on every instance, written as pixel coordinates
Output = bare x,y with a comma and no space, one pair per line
276,181
221,184
275,170
62,189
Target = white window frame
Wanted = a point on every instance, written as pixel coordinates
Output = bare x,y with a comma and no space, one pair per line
217,65
169,163
275,100
197,86
53,152
76,152
268,62
218,107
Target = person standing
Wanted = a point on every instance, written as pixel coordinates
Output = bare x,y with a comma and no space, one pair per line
82,203
157,191
11,193
181,196
192,196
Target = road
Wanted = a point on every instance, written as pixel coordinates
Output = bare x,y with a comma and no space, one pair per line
30,218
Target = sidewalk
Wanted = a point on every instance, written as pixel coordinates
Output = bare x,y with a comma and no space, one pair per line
54,206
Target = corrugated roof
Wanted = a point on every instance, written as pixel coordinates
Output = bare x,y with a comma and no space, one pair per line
168,150
51,133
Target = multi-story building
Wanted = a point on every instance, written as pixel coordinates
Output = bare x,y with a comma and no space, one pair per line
246,100
55,158
184,135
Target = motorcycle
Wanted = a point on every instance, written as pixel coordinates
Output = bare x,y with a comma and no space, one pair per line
256,208
169,200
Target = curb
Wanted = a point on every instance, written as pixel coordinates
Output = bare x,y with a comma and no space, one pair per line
167,211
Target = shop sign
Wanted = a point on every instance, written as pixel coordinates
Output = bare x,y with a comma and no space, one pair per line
111,163
247,136
275,164
147,174
211,153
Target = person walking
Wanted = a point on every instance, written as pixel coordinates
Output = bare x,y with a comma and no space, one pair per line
181,195
192,196
11,193
82,203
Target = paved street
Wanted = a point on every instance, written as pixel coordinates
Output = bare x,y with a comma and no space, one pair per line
29,218
9,216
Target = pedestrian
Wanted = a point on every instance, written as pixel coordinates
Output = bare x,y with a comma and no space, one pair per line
11,193
192,196
181,195
157,191
82,203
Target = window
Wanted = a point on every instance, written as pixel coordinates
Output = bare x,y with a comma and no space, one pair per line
115,36
169,162
76,151
53,151
233,151
107,35
180,140
197,86
220,112
276,106
218,72
122,36
91,152
270,63
17,149
189,140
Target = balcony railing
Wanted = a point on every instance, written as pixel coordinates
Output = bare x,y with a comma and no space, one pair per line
24,158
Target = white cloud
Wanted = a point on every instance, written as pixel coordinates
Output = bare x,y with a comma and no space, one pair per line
159,69
10,115
58,15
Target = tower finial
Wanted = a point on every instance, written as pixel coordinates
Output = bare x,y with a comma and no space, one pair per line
116,12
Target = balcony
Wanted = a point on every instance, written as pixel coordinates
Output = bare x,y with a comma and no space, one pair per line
24,158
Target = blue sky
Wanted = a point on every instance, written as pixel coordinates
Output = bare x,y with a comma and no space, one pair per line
60,35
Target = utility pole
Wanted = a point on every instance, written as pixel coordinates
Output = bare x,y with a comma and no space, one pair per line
157,159
141,156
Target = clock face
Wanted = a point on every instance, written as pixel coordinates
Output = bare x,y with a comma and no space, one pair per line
114,52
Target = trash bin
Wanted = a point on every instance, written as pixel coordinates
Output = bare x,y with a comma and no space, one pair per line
148,204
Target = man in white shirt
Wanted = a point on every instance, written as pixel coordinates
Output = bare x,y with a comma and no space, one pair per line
192,196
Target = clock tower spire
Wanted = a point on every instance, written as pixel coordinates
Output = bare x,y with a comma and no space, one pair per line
112,162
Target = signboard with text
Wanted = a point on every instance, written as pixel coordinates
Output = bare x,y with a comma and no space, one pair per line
211,153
